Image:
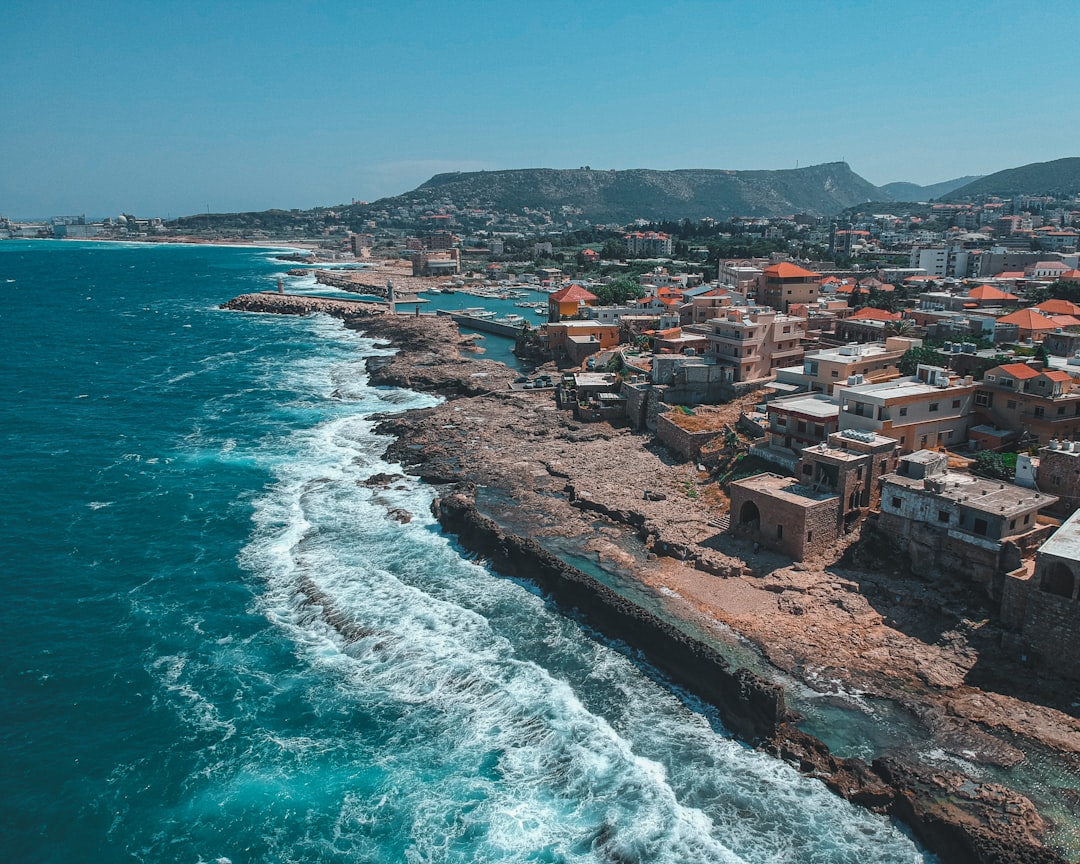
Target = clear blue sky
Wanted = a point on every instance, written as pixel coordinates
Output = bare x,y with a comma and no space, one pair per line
173,108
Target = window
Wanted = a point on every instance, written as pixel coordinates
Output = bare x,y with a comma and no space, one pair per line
942,515
980,527
779,532
1011,404
933,407
809,536
903,411
1039,411
955,403
922,442
895,502
982,398
1027,518
835,374
1061,411
1012,524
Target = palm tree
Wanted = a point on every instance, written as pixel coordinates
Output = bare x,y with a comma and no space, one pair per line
902,327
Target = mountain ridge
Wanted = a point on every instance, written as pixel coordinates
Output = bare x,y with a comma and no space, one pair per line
1058,176
624,195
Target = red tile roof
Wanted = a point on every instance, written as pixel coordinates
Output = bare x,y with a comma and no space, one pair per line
1020,370
1057,375
1028,319
573,293
868,313
1058,307
787,270
989,292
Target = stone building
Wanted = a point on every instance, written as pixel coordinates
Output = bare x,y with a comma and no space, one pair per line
1042,603
784,515
954,523
1058,473
835,485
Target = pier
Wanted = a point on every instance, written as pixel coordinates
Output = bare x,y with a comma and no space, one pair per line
485,325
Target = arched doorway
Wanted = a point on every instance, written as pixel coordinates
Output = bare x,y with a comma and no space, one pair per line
749,514
1058,579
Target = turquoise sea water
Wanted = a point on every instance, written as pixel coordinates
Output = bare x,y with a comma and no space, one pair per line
174,475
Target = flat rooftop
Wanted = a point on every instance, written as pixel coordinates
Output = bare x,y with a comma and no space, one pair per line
1065,542
895,389
989,496
786,488
812,404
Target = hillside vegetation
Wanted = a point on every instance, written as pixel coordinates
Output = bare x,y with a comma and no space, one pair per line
620,196
1059,177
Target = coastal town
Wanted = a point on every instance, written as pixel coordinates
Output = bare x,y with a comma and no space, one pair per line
870,473
855,447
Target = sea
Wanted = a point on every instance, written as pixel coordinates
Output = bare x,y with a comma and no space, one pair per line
179,482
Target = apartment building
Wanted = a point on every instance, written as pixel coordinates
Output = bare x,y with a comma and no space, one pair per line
786,283
825,370
926,410
1029,400
754,341
648,243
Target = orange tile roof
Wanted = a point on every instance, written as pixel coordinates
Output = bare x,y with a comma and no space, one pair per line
1065,320
1071,275
572,293
1058,307
989,292
1012,274
1020,370
869,313
1028,319
787,270
1057,375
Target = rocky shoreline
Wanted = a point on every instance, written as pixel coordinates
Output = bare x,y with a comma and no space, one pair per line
518,477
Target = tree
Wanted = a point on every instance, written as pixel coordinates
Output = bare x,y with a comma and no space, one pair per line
922,354
619,291
613,250
992,465
903,327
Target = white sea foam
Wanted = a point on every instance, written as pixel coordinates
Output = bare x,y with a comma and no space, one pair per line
435,712
524,762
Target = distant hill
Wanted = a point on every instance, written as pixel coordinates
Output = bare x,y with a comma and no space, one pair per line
620,196
1061,176
914,192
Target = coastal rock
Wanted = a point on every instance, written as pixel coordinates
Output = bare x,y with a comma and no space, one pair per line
520,480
